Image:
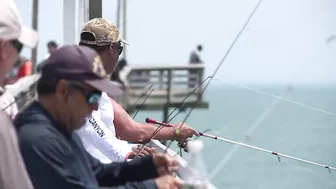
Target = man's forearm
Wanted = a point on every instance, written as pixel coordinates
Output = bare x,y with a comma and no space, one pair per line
165,133
114,174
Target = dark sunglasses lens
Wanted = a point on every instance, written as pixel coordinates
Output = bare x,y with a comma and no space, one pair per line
120,49
17,45
94,98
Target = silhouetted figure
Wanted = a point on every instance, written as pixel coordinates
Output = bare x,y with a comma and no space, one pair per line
194,59
52,47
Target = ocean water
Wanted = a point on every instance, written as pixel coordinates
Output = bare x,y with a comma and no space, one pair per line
258,119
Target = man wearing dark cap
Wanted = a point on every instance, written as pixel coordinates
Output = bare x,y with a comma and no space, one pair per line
111,120
69,89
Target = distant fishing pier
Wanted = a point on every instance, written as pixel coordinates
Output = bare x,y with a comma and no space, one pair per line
163,87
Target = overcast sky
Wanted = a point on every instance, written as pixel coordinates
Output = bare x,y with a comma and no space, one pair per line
284,42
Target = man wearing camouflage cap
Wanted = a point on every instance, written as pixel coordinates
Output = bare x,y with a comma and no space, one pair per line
110,121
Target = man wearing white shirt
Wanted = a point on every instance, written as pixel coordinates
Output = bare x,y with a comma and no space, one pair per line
99,136
13,36
105,133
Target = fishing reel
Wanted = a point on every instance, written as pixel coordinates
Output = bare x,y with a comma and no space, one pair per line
183,145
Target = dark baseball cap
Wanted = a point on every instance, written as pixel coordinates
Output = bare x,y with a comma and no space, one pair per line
79,63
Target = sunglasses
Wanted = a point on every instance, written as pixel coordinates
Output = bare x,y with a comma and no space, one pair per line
17,45
92,97
118,47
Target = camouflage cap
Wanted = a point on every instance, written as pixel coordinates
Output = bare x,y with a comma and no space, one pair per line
103,31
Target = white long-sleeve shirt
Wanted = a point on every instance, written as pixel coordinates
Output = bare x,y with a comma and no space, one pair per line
13,173
7,103
99,137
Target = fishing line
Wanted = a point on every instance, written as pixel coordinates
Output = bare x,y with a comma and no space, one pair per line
143,102
280,97
218,67
278,155
330,39
142,95
269,151
159,128
25,94
277,97
180,108
257,122
182,102
262,117
16,100
228,156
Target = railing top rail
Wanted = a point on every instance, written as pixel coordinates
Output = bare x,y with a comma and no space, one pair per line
165,67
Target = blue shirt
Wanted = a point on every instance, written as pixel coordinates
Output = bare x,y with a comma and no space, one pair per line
56,159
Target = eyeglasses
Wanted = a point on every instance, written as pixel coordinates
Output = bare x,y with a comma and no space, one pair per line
92,97
118,47
17,45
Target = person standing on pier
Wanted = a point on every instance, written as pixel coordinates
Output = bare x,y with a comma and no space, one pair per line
195,58
52,47
13,36
195,55
110,122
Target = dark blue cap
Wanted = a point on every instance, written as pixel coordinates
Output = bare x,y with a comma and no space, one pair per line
79,63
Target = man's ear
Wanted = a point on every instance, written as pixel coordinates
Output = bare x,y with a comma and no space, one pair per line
62,90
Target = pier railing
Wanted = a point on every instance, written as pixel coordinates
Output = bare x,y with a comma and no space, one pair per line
171,85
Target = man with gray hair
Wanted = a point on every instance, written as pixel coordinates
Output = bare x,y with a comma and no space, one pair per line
13,36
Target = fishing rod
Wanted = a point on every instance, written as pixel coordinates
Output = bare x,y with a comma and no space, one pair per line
180,108
24,94
149,120
219,65
16,100
142,95
143,102
159,128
